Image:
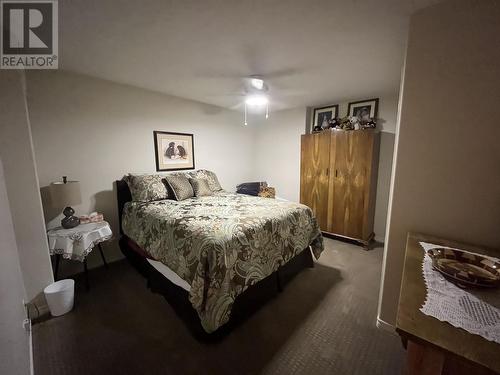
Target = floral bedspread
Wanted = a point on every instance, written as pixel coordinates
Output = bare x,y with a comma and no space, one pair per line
221,244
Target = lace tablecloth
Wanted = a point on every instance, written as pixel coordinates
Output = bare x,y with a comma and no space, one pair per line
76,243
475,310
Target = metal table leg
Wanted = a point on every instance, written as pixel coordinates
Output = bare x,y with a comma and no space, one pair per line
56,271
86,274
102,256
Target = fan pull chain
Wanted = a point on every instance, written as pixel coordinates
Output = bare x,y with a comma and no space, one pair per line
246,114
267,111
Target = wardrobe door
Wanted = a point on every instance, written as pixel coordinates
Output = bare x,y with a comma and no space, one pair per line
315,161
350,182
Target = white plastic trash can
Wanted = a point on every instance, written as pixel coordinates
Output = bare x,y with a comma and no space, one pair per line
60,296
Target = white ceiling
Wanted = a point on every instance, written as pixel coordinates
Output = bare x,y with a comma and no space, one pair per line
309,52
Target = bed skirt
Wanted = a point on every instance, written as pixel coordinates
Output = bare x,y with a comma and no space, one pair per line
245,305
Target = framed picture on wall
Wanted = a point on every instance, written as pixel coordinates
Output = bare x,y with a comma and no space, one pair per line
173,151
322,115
363,109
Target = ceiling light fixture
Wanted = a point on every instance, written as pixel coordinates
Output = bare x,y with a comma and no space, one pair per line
257,83
256,100
255,95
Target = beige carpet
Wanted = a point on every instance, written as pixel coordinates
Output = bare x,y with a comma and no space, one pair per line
323,323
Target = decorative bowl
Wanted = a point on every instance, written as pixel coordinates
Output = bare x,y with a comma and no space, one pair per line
466,269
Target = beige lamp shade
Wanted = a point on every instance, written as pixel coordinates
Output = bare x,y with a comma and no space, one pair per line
65,194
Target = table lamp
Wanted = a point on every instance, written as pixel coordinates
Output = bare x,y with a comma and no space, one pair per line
66,193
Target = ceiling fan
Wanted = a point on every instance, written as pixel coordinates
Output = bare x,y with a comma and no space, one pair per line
253,90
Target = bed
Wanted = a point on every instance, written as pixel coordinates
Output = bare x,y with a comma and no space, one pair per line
217,253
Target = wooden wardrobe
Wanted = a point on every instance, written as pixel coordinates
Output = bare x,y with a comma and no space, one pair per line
338,180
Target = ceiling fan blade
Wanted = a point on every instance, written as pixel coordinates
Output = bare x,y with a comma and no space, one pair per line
285,72
238,106
228,95
289,93
217,74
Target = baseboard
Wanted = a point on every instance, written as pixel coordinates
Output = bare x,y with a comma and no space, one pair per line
29,330
30,338
384,326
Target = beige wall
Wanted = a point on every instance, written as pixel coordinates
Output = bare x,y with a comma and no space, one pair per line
16,152
14,340
277,146
96,131
277,159
447,171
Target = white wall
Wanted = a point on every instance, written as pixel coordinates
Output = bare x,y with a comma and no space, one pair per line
96,131
16,152
447,174
277,151
14,340
277,160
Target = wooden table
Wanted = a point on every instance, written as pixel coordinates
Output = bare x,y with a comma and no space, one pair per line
435,347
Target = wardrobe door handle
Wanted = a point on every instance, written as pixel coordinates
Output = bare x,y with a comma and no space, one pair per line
327,171
335,173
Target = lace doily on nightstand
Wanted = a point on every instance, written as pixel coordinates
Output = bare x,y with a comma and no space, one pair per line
76,243
474,310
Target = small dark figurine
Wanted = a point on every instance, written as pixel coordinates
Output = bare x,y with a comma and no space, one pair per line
346,124
317,129
69,220
334,123
371,124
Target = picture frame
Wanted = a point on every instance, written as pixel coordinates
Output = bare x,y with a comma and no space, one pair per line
322,114
363,109
173,151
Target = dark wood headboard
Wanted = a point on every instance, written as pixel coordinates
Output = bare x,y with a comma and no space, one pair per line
123,196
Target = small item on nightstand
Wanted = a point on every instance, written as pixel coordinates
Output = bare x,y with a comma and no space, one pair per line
64,193
84,219
93,217
69,220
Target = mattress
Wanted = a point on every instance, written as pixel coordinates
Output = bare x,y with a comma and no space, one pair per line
222,244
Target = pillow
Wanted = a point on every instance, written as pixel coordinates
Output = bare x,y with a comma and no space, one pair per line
213,181
181,188
145,188
200,187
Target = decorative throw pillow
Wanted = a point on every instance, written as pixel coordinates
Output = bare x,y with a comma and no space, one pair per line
213,181
200,187
267,192
145,188
181,188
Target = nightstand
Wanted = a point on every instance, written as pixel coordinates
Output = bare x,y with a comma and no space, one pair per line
76,243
